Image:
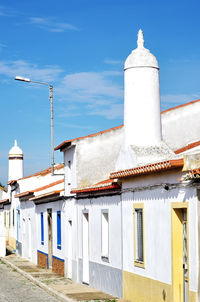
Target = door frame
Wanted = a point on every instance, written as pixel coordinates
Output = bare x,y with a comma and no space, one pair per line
69,249
50,248
83,213
179,206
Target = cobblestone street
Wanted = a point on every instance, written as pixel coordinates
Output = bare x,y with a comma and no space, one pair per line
15,288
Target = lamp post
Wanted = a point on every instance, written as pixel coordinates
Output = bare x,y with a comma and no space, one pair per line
52,121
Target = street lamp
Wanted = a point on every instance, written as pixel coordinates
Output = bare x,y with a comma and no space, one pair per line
51,102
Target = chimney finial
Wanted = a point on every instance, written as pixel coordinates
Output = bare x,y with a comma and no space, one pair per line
140,40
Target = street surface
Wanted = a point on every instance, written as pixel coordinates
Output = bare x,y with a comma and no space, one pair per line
15,288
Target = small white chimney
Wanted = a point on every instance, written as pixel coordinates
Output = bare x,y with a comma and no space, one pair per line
142,120
15,169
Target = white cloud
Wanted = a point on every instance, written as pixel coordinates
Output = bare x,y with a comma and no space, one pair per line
89,86
6,12
113,62
112,112
98,93
73,125
2,46
22,68
51,25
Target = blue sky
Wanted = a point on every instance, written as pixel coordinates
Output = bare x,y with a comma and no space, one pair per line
80,46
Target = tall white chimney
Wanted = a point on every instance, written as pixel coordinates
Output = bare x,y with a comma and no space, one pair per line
142,120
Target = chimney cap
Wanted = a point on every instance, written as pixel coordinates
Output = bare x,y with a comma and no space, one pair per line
141,56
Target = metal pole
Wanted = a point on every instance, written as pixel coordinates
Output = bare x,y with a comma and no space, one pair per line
52,129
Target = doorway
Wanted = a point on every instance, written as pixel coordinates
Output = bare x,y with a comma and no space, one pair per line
29,239
50,243
85,248
180,275
69,250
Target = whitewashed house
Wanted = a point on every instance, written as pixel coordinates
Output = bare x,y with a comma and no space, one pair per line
136,217
124,218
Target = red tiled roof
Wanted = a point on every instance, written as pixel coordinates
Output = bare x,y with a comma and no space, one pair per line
49,185
12,182
43,172
188,147
118,127
148,169
107,184
23,194
179,106
40,188
4,201
57,192
90,135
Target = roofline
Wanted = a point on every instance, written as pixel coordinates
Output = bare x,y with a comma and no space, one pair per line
149,169
5,201
23,194
180,106
63,144
95,189
44,172
187,147
52,184
46,195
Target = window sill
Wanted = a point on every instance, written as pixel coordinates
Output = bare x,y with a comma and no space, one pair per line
139,263
105,259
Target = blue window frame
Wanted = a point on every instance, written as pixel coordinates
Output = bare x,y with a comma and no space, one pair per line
42,229
59,230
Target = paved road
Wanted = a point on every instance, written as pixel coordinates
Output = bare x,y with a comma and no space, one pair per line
15,288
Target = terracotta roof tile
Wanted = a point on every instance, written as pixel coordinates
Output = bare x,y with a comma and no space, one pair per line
40,188
4,201
44,172
57,192
107,184
148,169
188,147
49,185
180,106
23,194
82,137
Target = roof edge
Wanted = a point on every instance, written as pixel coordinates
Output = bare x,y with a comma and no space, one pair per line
149,169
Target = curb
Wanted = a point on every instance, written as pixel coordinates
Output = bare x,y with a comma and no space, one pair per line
48,289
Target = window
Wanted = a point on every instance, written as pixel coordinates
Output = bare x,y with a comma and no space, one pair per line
139,234
9,219
104,235
42,228
24,226
5,218
69,172
59,230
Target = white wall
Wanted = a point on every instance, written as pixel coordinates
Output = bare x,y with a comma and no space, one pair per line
70,174
181,126
96,157
112,204
157,220
55,206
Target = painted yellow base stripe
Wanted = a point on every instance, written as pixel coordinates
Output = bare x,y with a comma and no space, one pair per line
12,243
137,288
